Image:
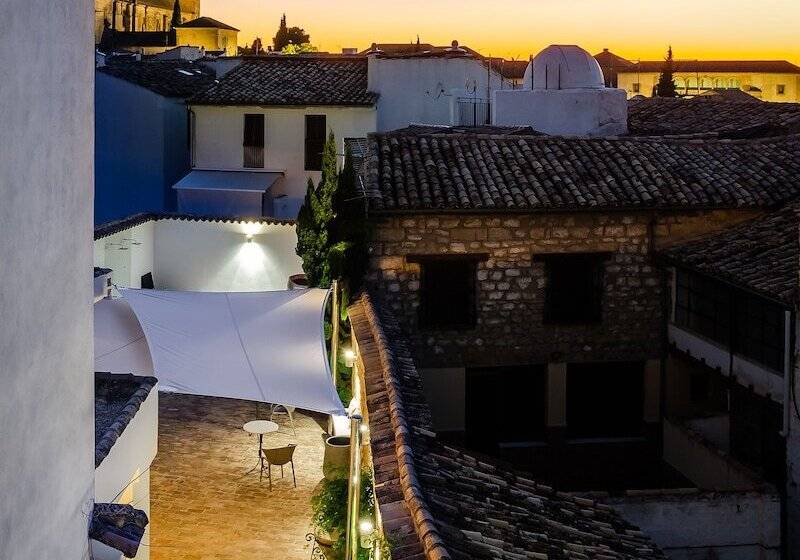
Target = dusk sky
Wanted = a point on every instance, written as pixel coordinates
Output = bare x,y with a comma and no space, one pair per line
636,29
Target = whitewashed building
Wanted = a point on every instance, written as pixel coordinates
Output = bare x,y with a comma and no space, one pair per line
46,412
258,133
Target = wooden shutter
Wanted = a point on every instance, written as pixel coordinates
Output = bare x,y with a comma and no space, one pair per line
253,141
316,129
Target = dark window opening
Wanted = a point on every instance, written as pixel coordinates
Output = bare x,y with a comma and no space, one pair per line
756,423
574,291
253,141
746,324
505,406
605,399
316,130
447,293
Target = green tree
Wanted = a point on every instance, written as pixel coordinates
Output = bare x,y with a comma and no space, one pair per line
288,36
291,48
177,19
348,256
666,82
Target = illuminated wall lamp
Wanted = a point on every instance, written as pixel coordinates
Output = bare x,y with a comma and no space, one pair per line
349,357
366,530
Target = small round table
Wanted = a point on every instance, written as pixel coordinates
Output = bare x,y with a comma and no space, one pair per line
259,427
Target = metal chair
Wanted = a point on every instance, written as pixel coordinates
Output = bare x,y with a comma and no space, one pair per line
284,409
278,456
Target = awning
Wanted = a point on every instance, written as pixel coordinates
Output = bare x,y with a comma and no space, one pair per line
119,342
260,346
241,181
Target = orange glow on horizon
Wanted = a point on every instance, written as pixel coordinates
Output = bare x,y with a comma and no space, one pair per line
634,29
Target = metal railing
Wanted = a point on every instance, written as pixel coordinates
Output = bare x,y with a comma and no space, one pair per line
473,112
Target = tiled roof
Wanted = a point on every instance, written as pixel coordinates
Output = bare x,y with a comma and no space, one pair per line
439,502
170,78
718,66
99,271
292,80
116,226
117,399
207,23
608,59
712,113
512,69
119,526
762,255
408,172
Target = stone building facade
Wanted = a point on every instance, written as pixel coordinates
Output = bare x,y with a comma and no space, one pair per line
511,282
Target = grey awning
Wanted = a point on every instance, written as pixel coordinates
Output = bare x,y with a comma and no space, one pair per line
245,181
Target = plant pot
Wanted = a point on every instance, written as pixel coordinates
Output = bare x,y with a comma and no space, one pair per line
337,457
297,282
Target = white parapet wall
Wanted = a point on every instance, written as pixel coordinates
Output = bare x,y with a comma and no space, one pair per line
202,255
691,525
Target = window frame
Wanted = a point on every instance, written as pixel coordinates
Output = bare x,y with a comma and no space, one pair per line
780,89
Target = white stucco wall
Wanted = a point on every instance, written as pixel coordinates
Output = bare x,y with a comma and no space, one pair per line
46,178
423,90
202,256
219,133
574,112
217,257
124,476
726,526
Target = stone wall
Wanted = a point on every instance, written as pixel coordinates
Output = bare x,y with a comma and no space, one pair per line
511,282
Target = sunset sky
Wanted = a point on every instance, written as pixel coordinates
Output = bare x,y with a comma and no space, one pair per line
635,29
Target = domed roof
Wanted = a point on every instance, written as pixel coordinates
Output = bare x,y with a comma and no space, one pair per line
563,67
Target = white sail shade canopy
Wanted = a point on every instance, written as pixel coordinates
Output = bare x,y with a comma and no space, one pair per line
261,346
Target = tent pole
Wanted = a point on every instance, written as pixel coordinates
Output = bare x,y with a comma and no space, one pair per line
335,330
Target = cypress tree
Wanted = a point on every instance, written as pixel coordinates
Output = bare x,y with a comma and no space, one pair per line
176,14
666,82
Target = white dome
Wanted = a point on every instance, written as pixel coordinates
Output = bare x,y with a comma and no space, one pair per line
563,67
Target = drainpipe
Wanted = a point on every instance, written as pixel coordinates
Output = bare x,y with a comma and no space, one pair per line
354,489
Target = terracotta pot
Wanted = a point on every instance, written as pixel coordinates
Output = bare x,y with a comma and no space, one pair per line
297,282
337,457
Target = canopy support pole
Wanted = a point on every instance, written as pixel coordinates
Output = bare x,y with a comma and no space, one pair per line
335,330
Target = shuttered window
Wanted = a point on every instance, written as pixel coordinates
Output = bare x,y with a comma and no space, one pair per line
447,291
316,129
253,142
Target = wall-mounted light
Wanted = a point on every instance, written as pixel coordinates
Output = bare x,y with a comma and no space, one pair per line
249,237
349,357
366,530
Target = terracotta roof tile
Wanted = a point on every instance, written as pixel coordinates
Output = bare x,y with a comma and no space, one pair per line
711,114
430,172
762,255
292,80
461,507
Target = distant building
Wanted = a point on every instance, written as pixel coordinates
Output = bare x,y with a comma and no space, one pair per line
209,34
259,132
142,134
140,15
768,80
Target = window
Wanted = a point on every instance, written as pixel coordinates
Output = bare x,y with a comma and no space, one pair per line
760,331
253,141
636,87
780,89
574,290
605,399
447,292
749,325
703,305
316,129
